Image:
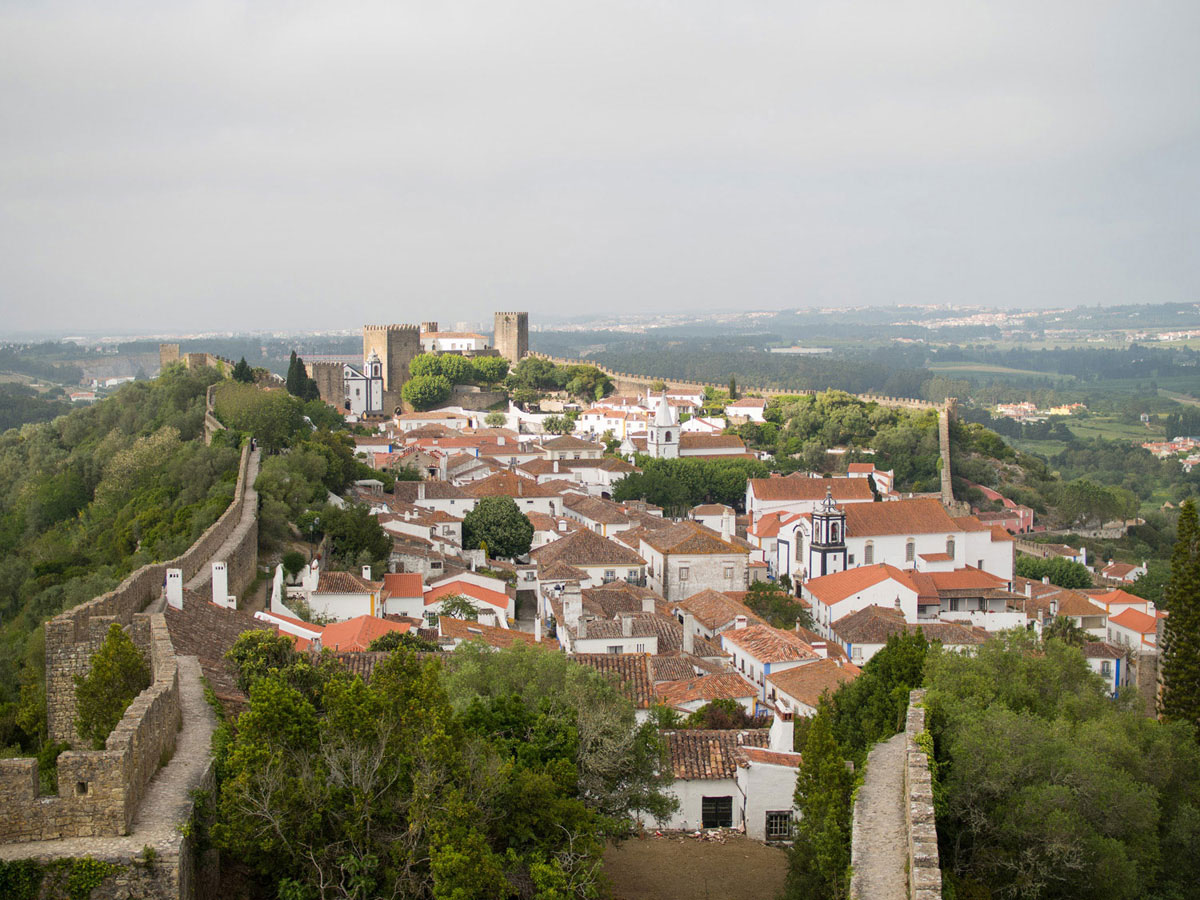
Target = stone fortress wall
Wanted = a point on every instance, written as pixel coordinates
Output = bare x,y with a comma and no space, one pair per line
924,865
99,790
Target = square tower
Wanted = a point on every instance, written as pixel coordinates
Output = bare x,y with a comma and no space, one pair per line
511,337
396,346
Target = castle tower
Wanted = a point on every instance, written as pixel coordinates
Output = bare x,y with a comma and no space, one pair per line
827,550
427,327
512,335
662,440
396,346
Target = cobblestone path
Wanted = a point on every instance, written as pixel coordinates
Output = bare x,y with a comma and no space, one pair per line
880,846
168,801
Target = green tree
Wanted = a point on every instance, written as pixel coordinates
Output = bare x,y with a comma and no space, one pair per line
819,861
495,419
456,606
426,391
118,675
352,534
500,524
556,425
293,561
1065,573
871,707
721,714
272,417
777,606
242,372
1181,630
408,640
1065,629
457,368
490,369
733,395
425,365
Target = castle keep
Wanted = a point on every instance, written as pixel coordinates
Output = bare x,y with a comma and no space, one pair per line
396,346
512,335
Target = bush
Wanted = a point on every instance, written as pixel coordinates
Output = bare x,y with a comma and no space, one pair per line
426,391
118,675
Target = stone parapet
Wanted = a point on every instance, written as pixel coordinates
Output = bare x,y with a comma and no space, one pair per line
99,790
924,866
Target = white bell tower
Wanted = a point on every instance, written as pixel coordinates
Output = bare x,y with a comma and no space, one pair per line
662,440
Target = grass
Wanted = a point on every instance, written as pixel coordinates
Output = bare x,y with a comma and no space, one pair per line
1040,448
1112,430
987,369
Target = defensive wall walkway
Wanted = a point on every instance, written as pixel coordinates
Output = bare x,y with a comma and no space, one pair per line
136,793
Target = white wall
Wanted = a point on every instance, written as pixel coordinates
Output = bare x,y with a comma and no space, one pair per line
766,788
340,607
690,794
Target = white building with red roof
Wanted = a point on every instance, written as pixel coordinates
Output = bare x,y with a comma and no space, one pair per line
1135,630
757,651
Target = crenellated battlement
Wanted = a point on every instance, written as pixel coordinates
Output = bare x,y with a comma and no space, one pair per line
385,329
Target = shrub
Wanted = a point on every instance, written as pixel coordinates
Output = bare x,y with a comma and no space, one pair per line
119,673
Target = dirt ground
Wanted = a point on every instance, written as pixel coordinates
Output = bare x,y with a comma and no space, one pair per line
672,868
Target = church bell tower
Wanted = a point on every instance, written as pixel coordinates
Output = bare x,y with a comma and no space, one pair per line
827,550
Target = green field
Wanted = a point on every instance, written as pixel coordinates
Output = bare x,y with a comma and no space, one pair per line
967,368
1112,430
1040,448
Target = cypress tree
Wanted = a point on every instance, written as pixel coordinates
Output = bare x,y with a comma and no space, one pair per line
294,384
1180,671
242,372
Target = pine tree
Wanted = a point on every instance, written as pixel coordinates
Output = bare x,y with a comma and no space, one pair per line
1181,631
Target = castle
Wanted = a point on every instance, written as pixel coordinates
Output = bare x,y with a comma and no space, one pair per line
374,386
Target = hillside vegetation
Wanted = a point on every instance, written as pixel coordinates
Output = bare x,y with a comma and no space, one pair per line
84,500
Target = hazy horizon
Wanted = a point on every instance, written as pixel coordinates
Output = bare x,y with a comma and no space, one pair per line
226,166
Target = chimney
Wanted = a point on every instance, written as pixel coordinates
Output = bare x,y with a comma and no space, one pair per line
537,629
572,600
739,622
581,631
648,604
420,490
1053,608
562,526
366,572
627,626
689,633
556,467
1028,588
175,588
220,585
1045,579
782,732
726,526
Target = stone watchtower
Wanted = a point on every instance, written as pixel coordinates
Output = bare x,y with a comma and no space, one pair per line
396,346
512,336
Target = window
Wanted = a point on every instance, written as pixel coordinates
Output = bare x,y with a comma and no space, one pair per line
610,574
855,652
910,550
979,564
614,649
950,547
869,554
667,437
716,812
683,573
729,573
641,648
799,548
954,604
779,825
850,559
1106,669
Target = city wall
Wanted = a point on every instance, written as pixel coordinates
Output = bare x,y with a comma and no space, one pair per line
74,636
924,865
99,790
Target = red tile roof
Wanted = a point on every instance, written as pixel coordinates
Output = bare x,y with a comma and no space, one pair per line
921,516
345,583
493,636
690,538
808,682
726,686
1135,621
770,757
704,754
357,634
768,644
843,489
467,589
831,589
404,584
630,672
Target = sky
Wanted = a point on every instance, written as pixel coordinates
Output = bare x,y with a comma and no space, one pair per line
275,165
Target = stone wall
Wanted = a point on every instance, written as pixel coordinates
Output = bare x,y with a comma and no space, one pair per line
470,397
74,636
99,790
330,379
924,867
511,335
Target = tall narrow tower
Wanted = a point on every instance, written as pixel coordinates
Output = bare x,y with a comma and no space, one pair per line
662,438
827,551
512,336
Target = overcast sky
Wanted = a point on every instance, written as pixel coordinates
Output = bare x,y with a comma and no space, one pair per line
318,165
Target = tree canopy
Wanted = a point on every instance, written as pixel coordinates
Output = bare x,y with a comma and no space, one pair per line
500,524
1181,630
118,675
1065,573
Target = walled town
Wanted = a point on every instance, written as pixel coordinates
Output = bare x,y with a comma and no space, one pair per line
528,553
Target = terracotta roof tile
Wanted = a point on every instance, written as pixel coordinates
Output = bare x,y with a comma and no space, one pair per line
586,548
808,682
630,672
704,754
491,635
770,757
716,610
690,538
768,644
924,515
726,686
812,489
